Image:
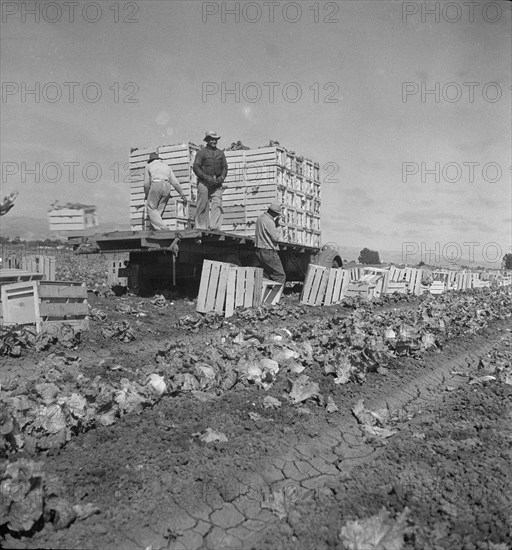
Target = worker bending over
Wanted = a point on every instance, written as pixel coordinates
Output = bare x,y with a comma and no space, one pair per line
266,239
157,190
211,168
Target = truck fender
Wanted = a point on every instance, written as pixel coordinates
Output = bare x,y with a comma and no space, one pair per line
327,258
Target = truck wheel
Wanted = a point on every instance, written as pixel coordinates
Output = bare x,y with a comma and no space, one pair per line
328,258
337,263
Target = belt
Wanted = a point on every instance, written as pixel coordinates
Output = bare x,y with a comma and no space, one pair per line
157,180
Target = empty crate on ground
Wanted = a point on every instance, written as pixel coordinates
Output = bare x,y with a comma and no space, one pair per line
225,287
325,286
34,263
45,303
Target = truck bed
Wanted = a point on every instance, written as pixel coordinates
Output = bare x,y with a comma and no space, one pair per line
146,241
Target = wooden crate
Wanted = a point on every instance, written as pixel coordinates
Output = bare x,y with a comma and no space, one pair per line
313,291
505,280
244,288
142,224
10,276
336,286
115,262
355,273
481,284
212,288
361,289
271,292
329,286
462,280
375,282
398,287
313,238
45,303
278,175
381,280
224,287
408,277
33,263
437,287
413,278
40,264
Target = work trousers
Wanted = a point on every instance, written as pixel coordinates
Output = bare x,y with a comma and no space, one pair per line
209,207
271,264
158,196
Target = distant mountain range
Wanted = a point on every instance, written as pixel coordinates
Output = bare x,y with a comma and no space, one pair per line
30,229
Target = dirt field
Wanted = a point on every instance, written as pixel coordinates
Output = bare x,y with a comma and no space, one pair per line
212,462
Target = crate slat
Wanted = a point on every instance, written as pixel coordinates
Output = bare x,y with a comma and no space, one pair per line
213,286
249,288
52,309
230,291
240,288
221,291
60,291
203,287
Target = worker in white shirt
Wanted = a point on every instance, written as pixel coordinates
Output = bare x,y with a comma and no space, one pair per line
157,190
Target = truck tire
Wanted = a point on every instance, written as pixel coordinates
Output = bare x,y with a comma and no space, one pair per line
328,258
337,263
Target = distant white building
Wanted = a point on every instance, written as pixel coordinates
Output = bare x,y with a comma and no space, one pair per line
71,217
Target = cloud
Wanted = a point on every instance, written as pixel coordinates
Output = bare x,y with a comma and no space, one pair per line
456,222
367,231
356,194
425,217
477,225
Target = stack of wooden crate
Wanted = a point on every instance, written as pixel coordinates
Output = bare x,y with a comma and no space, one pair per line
180,158
71,217
256,178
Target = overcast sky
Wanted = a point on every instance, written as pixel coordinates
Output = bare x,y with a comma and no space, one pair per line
359,67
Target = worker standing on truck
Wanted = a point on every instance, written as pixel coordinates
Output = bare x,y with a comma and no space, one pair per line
157,190
266,243
211,168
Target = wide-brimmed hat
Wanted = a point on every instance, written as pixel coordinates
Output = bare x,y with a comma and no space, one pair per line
211,134
275,207
153,156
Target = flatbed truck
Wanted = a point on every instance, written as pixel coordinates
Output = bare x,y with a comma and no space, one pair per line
152,264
